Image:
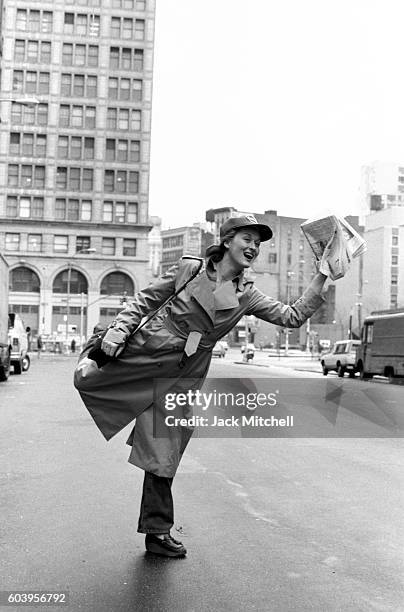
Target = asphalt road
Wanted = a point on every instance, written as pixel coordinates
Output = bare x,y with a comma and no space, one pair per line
271,523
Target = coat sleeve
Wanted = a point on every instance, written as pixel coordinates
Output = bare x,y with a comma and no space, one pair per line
145,302
273,311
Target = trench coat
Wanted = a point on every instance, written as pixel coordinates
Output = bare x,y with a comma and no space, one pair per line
133,385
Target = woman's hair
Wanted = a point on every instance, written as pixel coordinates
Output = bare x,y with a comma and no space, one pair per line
216,251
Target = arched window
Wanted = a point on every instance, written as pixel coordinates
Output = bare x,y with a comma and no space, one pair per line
78,282
24,279
117,283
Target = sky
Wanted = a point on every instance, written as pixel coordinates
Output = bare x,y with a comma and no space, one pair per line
273,105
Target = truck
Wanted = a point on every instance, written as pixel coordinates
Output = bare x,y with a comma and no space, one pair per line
18,342
4,321
381,350
341,359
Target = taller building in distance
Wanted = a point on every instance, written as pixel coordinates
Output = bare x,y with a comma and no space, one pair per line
382,186
76,93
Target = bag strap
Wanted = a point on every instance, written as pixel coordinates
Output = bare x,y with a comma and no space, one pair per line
199,267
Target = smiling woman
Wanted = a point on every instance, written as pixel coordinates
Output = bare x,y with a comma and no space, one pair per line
173,351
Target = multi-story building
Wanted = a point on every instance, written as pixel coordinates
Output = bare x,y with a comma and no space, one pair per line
283,270
382,186
75,109
179,241
383,272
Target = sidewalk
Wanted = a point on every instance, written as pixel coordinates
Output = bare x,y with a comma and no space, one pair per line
296,360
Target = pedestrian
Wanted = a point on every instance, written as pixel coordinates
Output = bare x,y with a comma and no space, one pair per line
39,345
73,345
173,352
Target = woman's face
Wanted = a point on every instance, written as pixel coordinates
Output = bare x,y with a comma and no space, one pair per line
243,249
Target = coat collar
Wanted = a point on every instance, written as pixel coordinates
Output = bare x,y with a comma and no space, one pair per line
224,297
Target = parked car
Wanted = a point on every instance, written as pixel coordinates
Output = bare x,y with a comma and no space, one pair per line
341,359
18,342
219,350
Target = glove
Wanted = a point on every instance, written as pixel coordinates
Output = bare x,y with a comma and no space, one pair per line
113,342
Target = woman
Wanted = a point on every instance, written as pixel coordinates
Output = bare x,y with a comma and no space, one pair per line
173,353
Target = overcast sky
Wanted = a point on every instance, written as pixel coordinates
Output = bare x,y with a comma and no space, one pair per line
264,104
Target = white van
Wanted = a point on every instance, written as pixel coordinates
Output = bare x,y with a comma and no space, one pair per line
18,341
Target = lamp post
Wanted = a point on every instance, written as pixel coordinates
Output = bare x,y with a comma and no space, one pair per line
289,274
69,275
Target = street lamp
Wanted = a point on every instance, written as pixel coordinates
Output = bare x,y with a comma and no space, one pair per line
26,100
289,274
69,274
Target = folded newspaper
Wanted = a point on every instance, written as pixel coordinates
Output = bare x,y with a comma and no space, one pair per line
339,238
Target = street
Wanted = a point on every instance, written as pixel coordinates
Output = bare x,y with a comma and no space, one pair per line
295,522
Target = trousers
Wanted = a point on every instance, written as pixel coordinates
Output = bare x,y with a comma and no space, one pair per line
157,507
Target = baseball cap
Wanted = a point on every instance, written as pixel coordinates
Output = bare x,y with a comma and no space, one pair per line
264,231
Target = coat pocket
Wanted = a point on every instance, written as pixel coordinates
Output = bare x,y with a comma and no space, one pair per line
163,341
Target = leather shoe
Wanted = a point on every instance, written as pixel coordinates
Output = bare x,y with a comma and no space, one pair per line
166,546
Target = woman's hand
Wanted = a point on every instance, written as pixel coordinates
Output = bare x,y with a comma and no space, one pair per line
113,342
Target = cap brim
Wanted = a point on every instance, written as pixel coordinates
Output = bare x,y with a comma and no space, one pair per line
264,231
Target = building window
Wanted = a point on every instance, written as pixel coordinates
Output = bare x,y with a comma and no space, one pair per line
83,243
12,242
27,145
26,115
394,260
26,177
35,243
126,28
30,82
125,89
79,55
122,150
82,24
121,181
34,21
394,240
78,85
129,247
77,116
74,179
173,241
25,208
124,119
60,244
75,147
72,209
120,212
24,280
126,59
108,246
70,281
32,51
272,258
117,283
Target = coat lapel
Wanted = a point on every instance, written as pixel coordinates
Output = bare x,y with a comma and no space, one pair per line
201,290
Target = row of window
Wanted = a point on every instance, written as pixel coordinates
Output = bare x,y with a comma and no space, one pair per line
79,24
72,209
39,52
25,280
77,116
26,176
77,85
34,244
173,241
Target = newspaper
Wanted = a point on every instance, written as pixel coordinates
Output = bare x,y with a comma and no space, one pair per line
335,236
